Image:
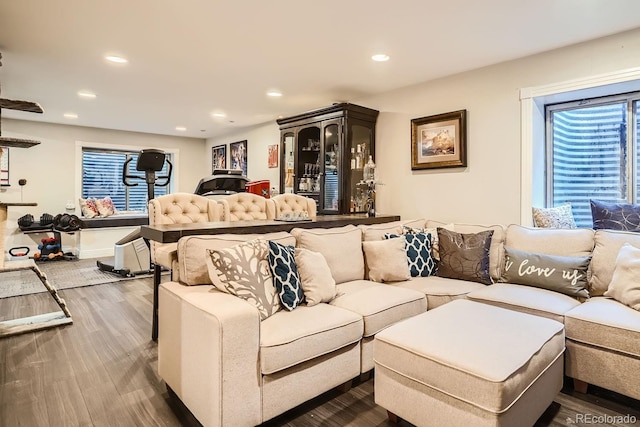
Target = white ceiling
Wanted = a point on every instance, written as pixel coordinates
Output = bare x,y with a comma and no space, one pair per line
190,58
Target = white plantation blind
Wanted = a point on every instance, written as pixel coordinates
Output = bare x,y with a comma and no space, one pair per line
589,154
102,176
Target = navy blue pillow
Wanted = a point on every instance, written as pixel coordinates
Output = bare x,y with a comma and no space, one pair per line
418,248
285,274
615,216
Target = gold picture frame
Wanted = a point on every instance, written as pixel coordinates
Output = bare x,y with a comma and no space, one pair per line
439,141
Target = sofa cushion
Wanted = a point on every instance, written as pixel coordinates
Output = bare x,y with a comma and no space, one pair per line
379,305
605,323
440,290
341,247
192,252
550,241
317,282
567,275
625,282
465,256
387,260
290,337
615,216
431,227
243,270
526,299
286,279
607,247
377,231
496,253
555,217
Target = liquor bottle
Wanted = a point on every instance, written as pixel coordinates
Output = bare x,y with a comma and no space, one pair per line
353,158
369,173
359,158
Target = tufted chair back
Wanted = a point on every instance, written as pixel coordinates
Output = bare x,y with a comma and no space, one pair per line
289,202
246,207
178,208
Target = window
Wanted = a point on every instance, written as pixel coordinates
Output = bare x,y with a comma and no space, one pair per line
102,176
592,153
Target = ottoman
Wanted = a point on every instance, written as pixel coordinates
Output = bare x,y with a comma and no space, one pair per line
469,364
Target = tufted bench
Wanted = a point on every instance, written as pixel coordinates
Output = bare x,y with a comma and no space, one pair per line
469,364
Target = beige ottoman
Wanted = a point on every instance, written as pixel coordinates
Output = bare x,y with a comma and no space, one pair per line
469,364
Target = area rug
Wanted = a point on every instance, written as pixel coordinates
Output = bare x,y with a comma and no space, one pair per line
61,274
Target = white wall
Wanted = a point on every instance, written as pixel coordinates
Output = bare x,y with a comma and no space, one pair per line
51,173
488,190
258,139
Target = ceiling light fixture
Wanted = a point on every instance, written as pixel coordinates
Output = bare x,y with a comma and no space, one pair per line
86,94
219,115
380,57
181,128
274,93
71,115
116,59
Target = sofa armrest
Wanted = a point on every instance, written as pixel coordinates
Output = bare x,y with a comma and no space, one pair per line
208,353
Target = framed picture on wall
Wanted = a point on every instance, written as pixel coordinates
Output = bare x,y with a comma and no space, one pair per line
273,155
439,141
238,159
4,166
219,157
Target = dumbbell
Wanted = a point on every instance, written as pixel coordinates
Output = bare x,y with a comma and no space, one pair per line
46,219
25,221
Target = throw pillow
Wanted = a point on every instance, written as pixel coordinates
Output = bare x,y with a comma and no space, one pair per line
624,286
615,216
556,217
465,256
243,270
317,282
285,274
105,206
387,260
567,275
419,256
88,207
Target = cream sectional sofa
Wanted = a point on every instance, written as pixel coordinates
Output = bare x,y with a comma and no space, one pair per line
229,368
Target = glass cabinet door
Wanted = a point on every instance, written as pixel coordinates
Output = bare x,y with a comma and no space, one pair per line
308,162
360,148
288,161
331,196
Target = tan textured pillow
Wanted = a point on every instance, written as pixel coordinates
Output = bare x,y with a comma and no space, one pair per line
340,246
317,282
387,260
625,283
243,270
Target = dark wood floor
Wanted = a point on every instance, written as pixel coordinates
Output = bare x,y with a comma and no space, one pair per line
102,371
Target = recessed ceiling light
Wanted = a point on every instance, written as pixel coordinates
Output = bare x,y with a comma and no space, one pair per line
380,57
181,128
116,59
219,115
274,93
71,115
86,94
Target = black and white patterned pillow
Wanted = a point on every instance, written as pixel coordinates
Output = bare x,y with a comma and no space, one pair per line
418,248
285,275
421,262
